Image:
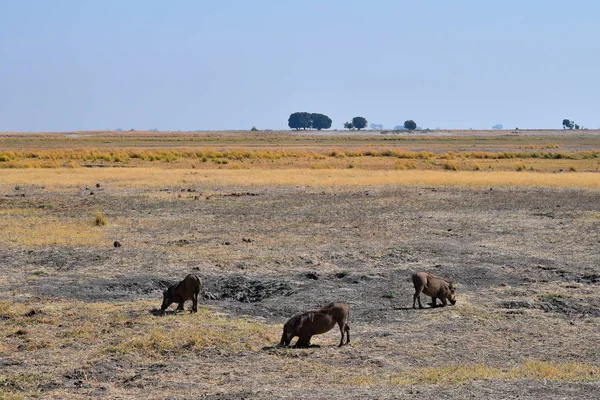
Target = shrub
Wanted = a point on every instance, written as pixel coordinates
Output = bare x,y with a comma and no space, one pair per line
100,220
573,168
520,167
450,166
477,167
390,294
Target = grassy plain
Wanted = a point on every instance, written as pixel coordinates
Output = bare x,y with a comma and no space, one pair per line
276,223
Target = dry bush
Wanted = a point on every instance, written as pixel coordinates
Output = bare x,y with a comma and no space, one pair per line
100,219
450,166
520,167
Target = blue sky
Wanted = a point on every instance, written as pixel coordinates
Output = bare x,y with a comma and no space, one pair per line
231,64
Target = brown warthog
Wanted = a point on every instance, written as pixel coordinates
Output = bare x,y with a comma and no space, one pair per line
315,322
434,286
187,289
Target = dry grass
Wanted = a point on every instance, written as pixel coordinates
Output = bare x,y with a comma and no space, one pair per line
156,177
461,373
32,228
73,336
100,219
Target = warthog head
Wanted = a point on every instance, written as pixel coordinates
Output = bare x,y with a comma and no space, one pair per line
292,329
452,295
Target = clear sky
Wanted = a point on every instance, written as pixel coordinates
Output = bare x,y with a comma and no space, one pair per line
231,64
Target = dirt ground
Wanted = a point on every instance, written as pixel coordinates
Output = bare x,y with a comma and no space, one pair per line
526,262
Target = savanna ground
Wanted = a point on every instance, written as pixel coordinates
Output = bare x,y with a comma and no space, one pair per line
276,223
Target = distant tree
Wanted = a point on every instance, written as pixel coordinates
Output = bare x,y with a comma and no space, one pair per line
568,124
497,127
359,123
348,125
376,126
399,128
576,126
299,120
320,121
410,125
253,128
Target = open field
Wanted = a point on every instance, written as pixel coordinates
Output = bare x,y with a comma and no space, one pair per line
274,235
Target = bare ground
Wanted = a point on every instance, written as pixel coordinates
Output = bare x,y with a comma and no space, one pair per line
526,262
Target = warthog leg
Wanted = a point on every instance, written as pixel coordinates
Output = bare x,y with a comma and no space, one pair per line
433,302
347,329
195,305
303,341
417,297
180,306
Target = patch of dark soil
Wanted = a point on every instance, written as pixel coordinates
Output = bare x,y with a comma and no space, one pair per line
515,304
570,307
250,290
567,307
590,278
96,289
65,261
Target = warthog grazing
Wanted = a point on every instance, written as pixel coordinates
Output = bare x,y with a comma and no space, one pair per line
434,286
316,322
187,289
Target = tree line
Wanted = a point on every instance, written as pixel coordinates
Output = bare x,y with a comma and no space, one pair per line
305,120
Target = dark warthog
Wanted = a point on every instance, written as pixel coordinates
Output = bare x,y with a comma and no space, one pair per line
316,322
434,286
187,289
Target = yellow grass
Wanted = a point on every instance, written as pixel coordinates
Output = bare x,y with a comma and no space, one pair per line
460,373
32,229
156,177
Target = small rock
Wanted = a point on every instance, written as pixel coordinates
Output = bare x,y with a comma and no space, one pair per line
117,244
22,347
227,243
91,193
97,185
17,187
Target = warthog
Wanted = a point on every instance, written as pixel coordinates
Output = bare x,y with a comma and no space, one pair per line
316,322
434,286
187,289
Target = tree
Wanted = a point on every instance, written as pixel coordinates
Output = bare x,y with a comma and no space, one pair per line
359,123
299,120
348,125
320,121
253,129
410,125
568,124
399,128
376,126
497,127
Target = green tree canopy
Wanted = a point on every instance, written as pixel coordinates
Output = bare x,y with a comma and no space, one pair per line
299,120
410,125
359,123
320,121
568,124
348,125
